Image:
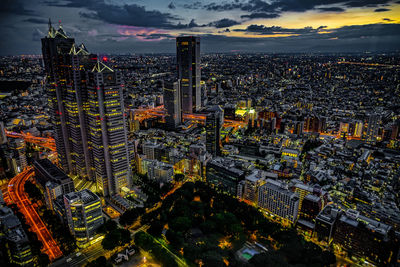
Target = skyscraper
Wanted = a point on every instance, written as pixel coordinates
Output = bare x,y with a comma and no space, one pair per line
172,103
189,73
86,102
213,130
108,129
55,48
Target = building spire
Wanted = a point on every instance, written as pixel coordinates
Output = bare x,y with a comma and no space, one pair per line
50,34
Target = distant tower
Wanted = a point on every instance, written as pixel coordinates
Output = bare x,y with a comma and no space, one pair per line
172,103
189,73
213,130
55,48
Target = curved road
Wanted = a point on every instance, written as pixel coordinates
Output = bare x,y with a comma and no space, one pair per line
19,197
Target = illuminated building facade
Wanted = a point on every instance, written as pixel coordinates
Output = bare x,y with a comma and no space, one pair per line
108,135
55,49
17,158
275,197
214,122
17,241
86,102
365,238
372,129
172,103
358,129
189,73
252,185
84,214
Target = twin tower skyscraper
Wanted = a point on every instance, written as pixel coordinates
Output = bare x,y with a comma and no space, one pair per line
87,110
86,105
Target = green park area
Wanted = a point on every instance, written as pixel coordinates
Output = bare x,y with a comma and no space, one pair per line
196,225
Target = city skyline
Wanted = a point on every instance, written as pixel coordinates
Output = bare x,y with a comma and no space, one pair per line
121,27
187,158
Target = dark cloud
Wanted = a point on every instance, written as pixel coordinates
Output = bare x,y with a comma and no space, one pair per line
37,20
13,7
366,3
132,14
263,30
330,9
171,6
261,15
279,6
387,19
381,10
195,5
223,23
156,36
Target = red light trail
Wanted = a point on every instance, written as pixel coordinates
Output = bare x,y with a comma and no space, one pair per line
19,197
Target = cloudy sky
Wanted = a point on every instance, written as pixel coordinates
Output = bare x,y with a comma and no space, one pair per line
150,26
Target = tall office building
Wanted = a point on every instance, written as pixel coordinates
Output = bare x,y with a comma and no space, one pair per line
84,215
189,73
86,102
108,129
55,48
214,122
76,108
172,103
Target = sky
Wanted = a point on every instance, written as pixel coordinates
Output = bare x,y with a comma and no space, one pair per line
151,26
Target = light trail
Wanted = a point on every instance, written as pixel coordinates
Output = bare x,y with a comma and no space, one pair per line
18,196
48,143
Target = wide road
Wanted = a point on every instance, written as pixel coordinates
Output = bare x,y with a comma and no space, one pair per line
18,196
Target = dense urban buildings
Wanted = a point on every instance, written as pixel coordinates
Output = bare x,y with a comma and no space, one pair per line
198,158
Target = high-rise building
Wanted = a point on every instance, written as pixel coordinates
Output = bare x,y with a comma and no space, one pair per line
275,197
189,73
214,122
108,129
172,103
55,49
86,103
84,214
